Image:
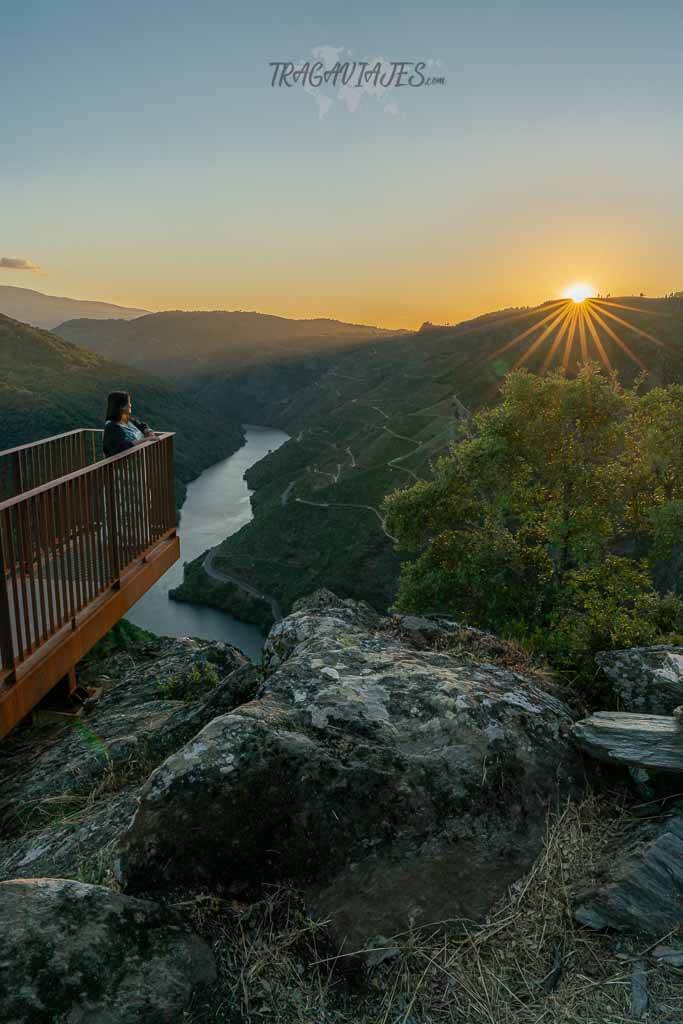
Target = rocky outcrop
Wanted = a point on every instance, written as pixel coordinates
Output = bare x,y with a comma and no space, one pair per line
641,885
646,680
392,785
66,795
78,953
74,845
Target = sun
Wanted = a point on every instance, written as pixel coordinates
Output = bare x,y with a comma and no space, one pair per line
579,327
579,292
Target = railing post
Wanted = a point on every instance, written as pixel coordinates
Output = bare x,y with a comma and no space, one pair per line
113,528
18,483
171,482
6,646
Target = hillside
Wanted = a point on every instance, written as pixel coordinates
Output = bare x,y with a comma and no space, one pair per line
377,415
42,310
240,360
48,385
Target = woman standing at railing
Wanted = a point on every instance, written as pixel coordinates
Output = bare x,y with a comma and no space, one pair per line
121,430
131,484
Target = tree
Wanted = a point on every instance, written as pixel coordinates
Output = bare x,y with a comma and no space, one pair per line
552,509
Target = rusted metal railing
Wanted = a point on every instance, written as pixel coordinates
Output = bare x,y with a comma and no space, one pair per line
30,465
67,537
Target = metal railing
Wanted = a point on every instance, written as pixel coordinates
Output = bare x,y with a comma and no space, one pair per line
30,465
66,540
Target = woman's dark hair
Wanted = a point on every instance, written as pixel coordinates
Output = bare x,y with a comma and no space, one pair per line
116,403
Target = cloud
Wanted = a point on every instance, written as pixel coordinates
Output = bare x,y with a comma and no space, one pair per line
11,263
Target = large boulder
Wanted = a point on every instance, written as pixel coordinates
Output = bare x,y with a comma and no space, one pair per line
80,954
645,680
392,785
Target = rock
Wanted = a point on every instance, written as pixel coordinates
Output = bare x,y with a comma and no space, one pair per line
646,680
133,721
424,632
72,849
670,955
644,741
640,888
642,780
391,785
81,954
147,681
66,796
639,993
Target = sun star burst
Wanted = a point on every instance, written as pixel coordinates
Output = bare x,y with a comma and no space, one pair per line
573,330
579,292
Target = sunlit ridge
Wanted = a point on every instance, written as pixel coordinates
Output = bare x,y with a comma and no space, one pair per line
573,330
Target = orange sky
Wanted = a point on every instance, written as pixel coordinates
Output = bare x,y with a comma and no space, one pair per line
149,161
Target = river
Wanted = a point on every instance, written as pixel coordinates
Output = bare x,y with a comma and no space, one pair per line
217,505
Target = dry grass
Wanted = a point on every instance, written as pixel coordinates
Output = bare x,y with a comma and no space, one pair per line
74,808
529,963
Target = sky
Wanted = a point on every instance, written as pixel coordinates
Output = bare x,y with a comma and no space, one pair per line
146,159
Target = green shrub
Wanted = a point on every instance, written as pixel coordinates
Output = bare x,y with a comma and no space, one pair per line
544,524
194,684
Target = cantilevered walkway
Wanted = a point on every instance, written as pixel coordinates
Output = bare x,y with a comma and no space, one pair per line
82,538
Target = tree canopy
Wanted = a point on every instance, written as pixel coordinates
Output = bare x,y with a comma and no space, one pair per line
547,520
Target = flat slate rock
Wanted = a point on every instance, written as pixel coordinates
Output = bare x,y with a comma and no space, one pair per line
647,680
645,741
640,888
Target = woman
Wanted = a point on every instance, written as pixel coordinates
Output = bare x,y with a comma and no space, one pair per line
131,512
121,430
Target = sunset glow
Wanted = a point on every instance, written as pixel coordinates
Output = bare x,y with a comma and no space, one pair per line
571,331
579,292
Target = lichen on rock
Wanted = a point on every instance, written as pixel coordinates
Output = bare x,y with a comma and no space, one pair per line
391,784
646,680
73,953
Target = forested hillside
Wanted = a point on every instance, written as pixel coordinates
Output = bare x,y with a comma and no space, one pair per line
48,385
378,415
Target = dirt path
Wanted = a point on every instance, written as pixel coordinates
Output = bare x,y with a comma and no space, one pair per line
341,504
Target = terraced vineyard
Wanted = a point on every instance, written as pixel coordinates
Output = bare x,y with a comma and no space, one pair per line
375,420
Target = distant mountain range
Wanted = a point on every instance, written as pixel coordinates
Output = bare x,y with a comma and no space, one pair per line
176,342
49,386
242,361
41,310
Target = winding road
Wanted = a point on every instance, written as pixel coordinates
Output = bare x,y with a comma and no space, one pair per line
342,504
223,577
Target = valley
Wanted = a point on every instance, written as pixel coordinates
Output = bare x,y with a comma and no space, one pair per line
366,410
365,416
49,386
